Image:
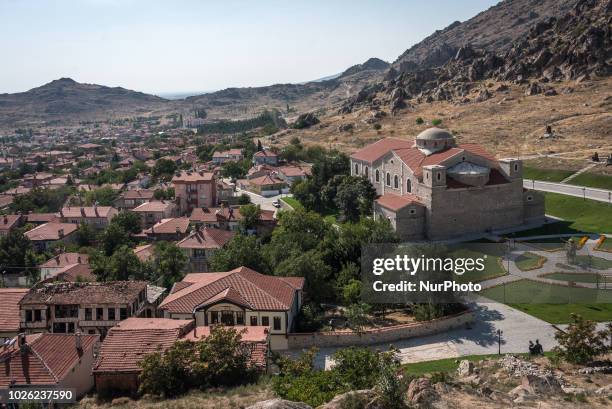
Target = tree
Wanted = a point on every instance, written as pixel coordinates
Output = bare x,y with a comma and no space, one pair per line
317,274
170,262
235,169
85,235
354,197
244,199
13,249
168,373
357,316
351,292
240,251
580,343
113,237
250,216
163,167
307,193
128,221
124,265
104,196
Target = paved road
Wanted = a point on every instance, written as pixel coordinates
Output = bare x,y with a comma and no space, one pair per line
480,338
264,202
601,195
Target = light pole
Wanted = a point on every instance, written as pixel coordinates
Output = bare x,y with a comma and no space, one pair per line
499,334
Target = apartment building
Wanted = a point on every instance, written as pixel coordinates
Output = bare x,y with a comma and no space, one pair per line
194,189
97,217
155,211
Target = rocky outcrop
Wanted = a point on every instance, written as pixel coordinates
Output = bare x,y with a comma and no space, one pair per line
573,46
421,390
279,404
305,121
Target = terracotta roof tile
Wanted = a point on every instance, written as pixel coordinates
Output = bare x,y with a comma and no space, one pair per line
65,259
206,238
375,151
170,226
192,177
87,211
154,206
395,202
50,231
112,292
9,308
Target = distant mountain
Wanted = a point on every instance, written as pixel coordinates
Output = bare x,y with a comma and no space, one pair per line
65,100
493,30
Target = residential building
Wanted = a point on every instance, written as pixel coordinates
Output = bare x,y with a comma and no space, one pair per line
228,218
144,252
432,188
201,244
37,179
268,185
227,156
40,218
293,173
240,297
92,308
155,211
52,233
133,198
68,266
168,229
49,361
265,157
194,189
9,222
225,192
97,217
9,311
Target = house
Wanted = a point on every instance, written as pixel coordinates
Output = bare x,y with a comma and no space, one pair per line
133,198
227,156
265,157
97,217
228,218
240,297
37,179
225,192
432,188
117,368
268,185
9,311
168,229
155,211
194,189
201,244
40,218
9,222
52,233
49,361
70,266
144,252
293,173
5,201
90,307
260,170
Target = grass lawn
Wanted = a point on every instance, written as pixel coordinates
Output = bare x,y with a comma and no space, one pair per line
595,262
575,277
592,180
554,303
547,175
291,201
529,261
493,267
551,244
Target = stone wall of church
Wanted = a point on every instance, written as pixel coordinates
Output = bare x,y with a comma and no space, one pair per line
408,222
454,212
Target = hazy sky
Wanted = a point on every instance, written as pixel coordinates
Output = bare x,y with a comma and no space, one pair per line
188,45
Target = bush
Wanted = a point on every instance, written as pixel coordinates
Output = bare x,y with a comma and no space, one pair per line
420,121
377,126
580,343
436,122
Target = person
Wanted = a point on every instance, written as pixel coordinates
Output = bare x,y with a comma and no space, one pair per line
537,348
531,348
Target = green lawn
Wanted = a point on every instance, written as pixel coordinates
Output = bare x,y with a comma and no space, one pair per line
554,303
598,263
582,215
292,202
547,175
493,267
551,244
575,277
592,180
529,261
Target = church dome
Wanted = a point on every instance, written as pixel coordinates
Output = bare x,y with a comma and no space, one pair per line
434,140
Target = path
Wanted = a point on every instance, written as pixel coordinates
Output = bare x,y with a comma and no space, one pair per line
600,195
585,169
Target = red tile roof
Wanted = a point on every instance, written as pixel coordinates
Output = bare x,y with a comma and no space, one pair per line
9,308
170,226
142,194
206,238
259,292
50,231
395,202
86,211
8,221
154,206
145,252
73,273
128,342
375,151
193,177
265,153
49,359
204,215
112,292
266,180
65,259
41,217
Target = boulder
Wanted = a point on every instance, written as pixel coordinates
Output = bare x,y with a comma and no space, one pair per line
541,384
345,127
279,404
604,390
420,390
465,368
305,121
533,89
340,401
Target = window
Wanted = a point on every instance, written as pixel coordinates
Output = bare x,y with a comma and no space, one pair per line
265,321
516,167
123,313
367,172
253,321
439,176
99,313
198,253
227,317
396,182
111,314
408,186
37,315
214,317
377,175
412,211
28,315
529,198
388,179
277,323
87,314
66,311
356,169
239,318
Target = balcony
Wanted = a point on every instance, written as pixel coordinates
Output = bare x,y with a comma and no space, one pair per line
35,324
98,323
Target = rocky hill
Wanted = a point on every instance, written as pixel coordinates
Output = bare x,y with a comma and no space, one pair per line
493,30
573,46
66,99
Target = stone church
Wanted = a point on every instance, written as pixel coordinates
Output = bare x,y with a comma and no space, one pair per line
431,188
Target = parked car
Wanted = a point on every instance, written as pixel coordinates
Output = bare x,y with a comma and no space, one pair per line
276,204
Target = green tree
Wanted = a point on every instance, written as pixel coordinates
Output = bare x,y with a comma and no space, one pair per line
241,250
13,249
104,196
85,235
580,343
317,274
168,373
250,216
357,316
125,265
114,237
130,222
354,197
170,262
244,199
163,167
351,292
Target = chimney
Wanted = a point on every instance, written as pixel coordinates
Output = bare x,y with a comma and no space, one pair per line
60,233
83,211
5,219
79,259
78,341
23,343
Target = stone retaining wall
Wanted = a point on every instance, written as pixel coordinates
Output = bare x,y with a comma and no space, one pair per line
379,335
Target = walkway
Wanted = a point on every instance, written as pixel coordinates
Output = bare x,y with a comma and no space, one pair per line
600,195
581,171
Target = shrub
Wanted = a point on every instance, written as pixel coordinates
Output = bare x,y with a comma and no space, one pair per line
436,122
580,343
420,121
377,126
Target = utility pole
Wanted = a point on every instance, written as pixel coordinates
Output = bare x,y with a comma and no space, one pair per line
499,334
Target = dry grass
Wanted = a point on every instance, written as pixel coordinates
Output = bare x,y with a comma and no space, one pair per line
509,124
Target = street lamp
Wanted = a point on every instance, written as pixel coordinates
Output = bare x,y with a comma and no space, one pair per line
499,334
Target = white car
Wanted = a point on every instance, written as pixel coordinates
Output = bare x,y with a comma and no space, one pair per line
276,204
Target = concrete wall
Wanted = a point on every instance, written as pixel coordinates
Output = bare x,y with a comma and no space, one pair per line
116,384
80,377
376,336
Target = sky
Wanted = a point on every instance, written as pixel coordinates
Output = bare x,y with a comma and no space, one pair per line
203,45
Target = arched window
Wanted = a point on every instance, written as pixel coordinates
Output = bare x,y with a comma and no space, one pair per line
366,172
356,169
377,175
439,175
396,182
388,179
408,186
